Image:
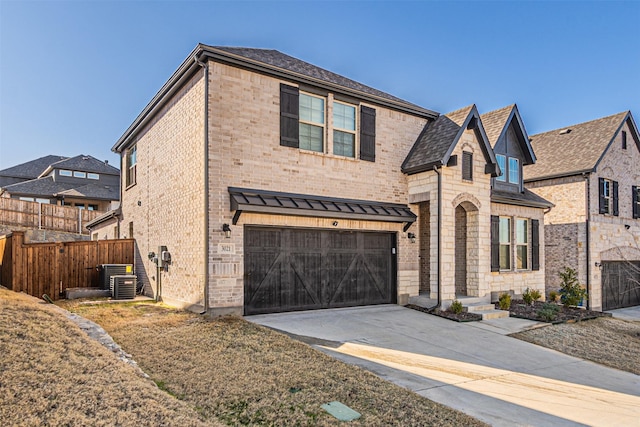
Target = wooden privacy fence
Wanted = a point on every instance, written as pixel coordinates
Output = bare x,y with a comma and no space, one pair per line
45,216
51,268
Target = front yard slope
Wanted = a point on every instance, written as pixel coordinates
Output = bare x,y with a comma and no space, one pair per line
244,374
52,374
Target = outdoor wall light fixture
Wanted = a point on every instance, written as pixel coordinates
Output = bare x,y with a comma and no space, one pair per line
627,226
139,203
411,237
227,230
335,223
599,265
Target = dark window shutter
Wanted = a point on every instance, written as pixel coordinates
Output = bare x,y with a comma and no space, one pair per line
495,243
467,166
635,202
601,192
289,113
615,198
367,134
535,244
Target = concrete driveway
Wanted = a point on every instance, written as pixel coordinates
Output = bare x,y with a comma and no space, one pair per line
472,367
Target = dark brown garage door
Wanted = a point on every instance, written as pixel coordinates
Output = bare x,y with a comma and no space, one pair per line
289,269
620,284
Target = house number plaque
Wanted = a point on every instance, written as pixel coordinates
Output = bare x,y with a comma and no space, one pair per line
226,248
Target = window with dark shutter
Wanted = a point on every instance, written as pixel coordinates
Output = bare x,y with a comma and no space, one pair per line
615,198
635,199
367,134
535,245
467,166
289,110
624,140
495,243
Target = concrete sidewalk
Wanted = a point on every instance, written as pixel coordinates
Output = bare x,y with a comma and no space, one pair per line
472,367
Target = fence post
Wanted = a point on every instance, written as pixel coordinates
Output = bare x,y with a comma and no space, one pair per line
39,216
80,221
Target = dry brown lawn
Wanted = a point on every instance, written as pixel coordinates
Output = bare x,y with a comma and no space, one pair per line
51,373
243,374
608,341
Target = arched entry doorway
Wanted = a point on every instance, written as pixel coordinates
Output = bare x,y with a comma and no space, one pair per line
466,249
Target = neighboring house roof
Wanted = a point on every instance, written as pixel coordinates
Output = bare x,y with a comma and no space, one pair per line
47,187
31,169
114,213
271,62
496,124
83,163
577,148
438,139
526,198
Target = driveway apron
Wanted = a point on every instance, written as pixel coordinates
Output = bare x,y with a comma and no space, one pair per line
498,379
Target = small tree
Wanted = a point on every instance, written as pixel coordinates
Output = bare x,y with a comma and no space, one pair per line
571,292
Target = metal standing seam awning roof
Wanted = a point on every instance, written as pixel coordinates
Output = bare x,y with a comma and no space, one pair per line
273,202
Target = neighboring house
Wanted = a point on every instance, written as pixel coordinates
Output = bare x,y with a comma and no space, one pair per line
106,226
591,172
276,185
82,181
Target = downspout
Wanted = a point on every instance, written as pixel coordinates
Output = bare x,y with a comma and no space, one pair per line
588,242
439,246
205,223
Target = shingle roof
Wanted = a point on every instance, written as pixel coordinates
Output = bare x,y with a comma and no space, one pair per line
47,187
579,150
31,169
495,121
86,164
436,139
278,59
526,198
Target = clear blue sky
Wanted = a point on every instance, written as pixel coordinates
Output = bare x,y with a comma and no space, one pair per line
75,74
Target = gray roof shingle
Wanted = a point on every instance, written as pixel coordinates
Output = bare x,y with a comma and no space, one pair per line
526,198
31,169
495,121
47,187
86,164
435,140
562,154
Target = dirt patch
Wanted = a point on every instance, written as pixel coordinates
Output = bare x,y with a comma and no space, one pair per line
244,374
563,314
458,317
608,341
51,373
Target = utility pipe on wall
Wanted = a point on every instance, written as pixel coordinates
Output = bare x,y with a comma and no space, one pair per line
439,270
205,225
588,238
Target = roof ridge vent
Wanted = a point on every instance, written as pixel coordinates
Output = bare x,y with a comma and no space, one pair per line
565,131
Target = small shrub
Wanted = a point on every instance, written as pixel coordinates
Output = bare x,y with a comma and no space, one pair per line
455,307
504,301
548,312
527,297
553,296
571,292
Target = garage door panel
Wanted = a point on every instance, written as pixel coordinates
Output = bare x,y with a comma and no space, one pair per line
620,284
317,269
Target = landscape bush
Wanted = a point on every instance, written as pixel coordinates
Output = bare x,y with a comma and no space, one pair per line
571,292
531,295
548,312
504,301
553,296
455,307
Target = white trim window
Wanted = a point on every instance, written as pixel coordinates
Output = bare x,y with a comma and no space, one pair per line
79,174
505,243
344,129
312,122
132,161
522,244
64,172
514,170
502,163
93,175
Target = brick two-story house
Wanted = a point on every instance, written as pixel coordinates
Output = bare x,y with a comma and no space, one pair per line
591,172
276,185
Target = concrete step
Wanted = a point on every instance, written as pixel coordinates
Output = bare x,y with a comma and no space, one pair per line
492,314
474,308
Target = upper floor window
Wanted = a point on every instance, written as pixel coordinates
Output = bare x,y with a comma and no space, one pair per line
78,174
624,140
505,243
514,170
93,176
344,129
132,160
64,172
502,163
312,122
467,166
635,201
608,191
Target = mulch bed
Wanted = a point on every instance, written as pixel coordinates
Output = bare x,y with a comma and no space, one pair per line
565,314
460,317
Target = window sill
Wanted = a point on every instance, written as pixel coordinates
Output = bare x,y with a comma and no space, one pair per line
329,155
129,186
